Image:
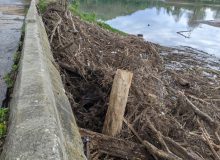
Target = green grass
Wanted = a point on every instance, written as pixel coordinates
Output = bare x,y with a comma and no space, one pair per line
3,120
108,27
15,67
10,77
8,80
42,5
91,17
17,55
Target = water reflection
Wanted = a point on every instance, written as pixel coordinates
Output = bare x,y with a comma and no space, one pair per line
159,21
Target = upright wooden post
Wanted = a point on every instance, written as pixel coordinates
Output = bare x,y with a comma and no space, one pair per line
117,103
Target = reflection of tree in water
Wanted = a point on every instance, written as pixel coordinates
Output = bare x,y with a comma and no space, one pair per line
217,13
198,13
109,9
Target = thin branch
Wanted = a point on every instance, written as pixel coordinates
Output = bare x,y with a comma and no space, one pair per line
206,136
151,148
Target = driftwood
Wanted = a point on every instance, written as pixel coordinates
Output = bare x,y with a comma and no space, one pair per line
63,3
170,145
114,146
64,47
178,150
117,103
67,67
207,140
151,148
55,27
158,136
205,117
181,33
201,114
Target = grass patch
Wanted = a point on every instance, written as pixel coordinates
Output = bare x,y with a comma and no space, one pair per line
8,80
10,77
108,27
42,5
91,17
3,121
17,55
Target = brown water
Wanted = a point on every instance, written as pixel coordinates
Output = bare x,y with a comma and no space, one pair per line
11,21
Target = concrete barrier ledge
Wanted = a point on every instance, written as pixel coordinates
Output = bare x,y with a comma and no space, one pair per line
41,122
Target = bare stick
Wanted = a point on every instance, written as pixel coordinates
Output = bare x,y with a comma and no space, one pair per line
73,25
151,148
199,99
65,46
117,103
158,136
217,136
201,114
58,32
174,147
206,136
179,150
55,27
181,33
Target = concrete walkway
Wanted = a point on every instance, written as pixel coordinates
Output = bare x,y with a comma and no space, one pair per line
11,21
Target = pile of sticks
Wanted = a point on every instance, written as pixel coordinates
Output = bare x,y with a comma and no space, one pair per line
108,144
131,129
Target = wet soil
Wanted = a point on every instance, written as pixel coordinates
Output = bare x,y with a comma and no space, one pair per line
174,98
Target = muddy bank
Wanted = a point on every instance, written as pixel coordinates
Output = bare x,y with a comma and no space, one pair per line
173,102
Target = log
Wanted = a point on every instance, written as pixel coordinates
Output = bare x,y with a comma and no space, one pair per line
114,146
117,103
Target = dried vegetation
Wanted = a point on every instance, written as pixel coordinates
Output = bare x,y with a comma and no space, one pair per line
174,112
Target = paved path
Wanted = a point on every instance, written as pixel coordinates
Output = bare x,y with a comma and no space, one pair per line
11,20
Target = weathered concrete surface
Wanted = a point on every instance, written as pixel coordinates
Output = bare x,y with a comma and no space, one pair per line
42,125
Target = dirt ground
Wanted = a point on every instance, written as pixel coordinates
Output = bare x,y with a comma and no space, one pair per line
173,103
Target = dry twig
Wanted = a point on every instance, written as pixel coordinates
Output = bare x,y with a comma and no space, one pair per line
151,148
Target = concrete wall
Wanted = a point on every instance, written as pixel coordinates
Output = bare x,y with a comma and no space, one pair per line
41,123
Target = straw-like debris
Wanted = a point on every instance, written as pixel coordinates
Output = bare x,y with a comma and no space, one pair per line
173,112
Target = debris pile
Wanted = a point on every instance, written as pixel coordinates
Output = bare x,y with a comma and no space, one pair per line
173,113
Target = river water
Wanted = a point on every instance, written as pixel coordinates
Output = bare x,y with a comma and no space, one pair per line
167,22
11,21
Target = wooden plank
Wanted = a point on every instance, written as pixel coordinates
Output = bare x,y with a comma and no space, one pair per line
114,146
117,103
